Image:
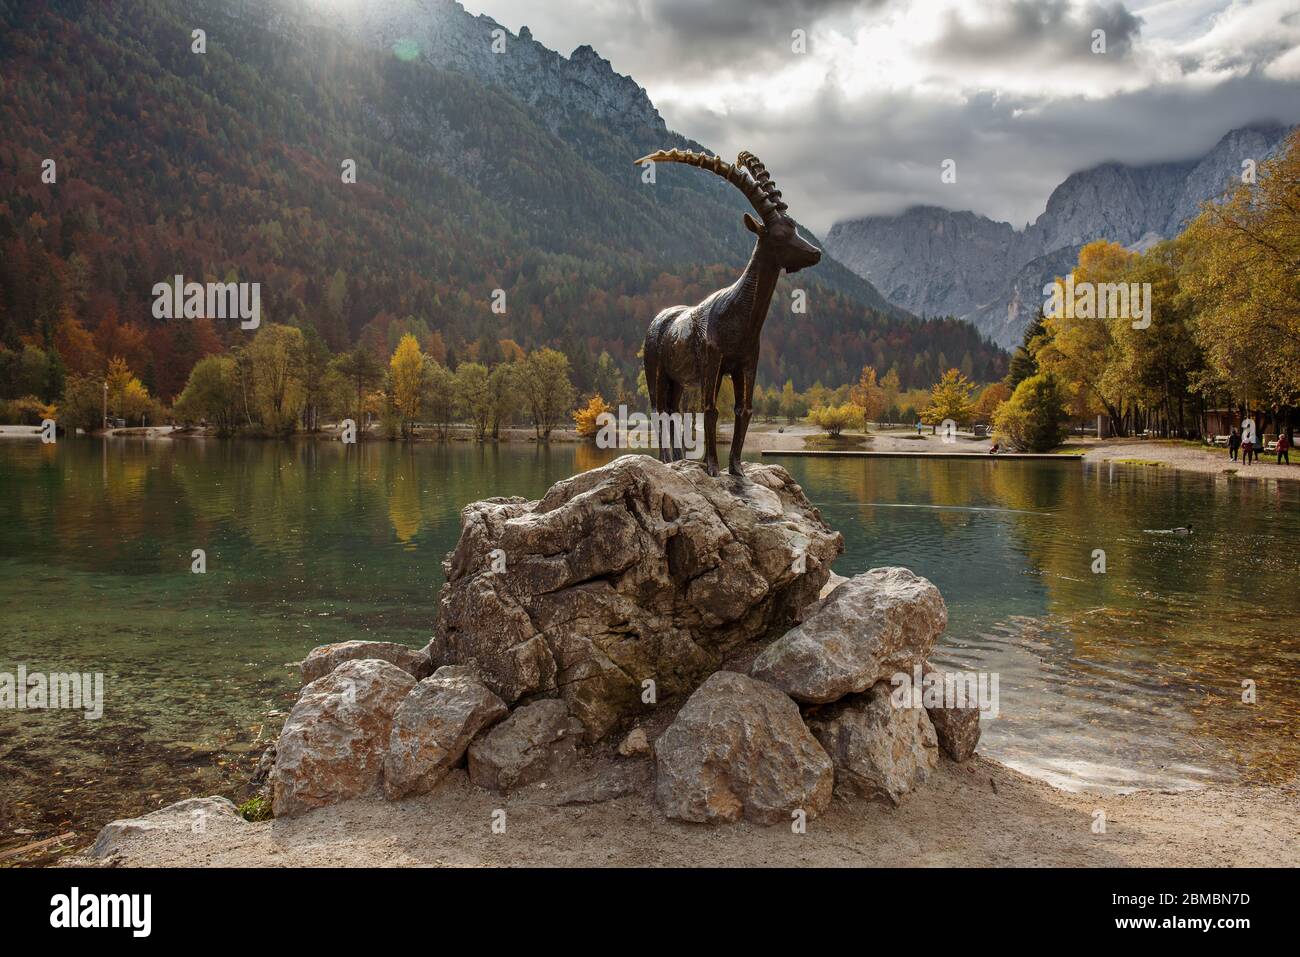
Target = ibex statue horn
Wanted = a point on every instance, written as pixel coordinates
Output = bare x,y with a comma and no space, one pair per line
698,345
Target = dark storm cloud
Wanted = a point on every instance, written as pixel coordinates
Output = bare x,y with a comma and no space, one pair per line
841,159
753,30
1009,89
1035,29
694,20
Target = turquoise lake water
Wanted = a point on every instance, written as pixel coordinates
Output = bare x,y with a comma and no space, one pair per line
1131,678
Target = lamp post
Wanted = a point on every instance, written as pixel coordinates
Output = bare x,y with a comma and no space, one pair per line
105,405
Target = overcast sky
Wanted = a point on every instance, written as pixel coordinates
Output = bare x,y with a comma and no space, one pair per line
888,89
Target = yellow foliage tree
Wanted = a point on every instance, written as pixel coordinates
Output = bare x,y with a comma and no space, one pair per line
586,417
950,398
1081,349
1242,269
276,359
407,371
833,419
127,396
869,396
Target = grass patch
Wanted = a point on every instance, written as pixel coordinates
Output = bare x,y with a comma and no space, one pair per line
1152,463
256,809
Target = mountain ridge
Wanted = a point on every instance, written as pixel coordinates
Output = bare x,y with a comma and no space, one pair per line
583,89
988,283
227,165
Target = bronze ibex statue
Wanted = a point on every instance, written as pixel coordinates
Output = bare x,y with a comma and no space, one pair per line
698,345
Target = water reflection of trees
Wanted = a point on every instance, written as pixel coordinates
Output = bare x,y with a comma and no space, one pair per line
1190,616
1187,618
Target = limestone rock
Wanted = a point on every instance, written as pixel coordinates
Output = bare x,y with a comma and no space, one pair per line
958,729
333,743
323,659
636,570
193,814
635,743
739,749
607,784
537,741
878,750
875,624
433,727
558,91
832,583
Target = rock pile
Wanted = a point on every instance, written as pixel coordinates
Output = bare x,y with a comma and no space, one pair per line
624,594
631,573
743,748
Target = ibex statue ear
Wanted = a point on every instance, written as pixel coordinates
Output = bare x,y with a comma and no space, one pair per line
754,226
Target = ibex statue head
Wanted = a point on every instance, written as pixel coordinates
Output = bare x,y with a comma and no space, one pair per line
778,235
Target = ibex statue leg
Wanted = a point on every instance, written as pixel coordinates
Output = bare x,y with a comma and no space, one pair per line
661,389
710,382
743,385
672,426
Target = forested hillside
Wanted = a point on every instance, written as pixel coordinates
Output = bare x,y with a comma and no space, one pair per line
226,165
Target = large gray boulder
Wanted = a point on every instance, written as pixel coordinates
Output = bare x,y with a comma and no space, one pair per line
879,750
538,741
333,743
323,659
433,727
870,627
739,749
636,571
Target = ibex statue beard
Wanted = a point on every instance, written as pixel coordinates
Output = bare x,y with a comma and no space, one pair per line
698,345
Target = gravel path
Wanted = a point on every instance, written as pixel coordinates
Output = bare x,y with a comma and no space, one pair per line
977,814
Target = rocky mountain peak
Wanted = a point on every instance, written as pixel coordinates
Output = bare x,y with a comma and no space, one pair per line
944,262
562,90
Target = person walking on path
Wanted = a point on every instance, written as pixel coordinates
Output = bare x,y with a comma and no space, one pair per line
1234,443
1283,448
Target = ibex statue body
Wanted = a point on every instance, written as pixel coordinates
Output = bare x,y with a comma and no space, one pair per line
698,345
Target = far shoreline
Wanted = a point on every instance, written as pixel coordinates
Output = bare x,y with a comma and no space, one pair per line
772,437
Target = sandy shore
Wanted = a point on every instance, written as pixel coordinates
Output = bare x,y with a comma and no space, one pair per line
1151,453
976,814
1186,457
